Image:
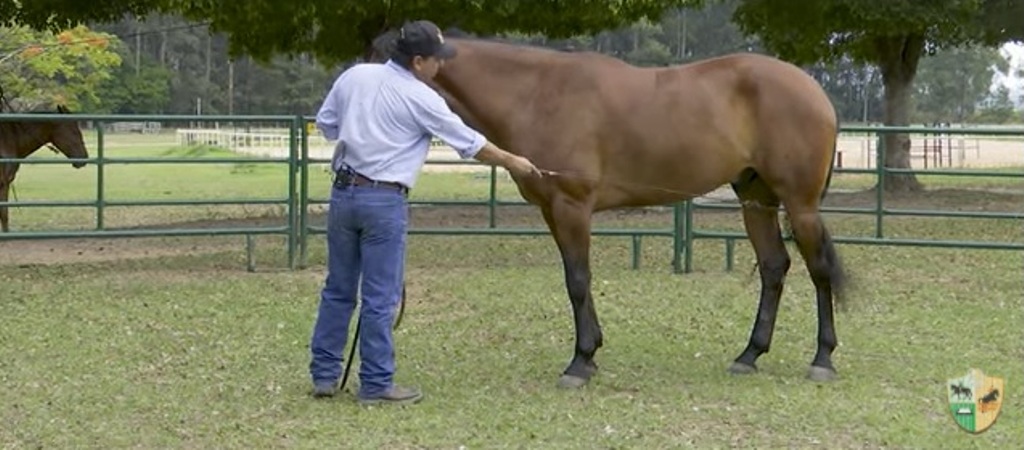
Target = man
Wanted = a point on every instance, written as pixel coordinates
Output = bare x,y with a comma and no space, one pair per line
383,117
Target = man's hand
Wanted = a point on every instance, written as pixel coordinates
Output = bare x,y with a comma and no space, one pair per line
521,166
516,164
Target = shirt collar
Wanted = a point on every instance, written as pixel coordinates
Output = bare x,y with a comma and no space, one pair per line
398,68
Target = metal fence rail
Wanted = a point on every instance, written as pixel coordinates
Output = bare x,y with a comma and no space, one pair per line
297,199
880,211
101,161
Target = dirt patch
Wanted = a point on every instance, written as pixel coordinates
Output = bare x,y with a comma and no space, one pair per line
70,251
63,251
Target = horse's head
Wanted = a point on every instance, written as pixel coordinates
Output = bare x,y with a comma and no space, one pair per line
67,137
383,47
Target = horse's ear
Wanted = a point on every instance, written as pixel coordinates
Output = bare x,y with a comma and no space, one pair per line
383,46
63,109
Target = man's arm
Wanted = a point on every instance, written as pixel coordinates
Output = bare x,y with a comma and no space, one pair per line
328,119
495,156
438,119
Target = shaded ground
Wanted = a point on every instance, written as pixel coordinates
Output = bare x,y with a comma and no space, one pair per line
104,249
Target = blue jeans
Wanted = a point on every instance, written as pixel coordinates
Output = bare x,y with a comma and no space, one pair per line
366,230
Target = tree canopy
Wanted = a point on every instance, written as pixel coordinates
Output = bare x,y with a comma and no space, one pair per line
339,30
892,35
43,68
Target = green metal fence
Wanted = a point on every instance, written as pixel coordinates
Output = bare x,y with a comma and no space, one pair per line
880,211
492,203
289,199
683,231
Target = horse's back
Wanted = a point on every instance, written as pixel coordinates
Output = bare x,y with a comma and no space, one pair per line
751,80
696,126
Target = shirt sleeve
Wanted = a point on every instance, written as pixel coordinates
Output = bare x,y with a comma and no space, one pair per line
328,119
436,118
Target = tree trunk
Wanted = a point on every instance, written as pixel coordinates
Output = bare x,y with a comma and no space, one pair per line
898,61
209,59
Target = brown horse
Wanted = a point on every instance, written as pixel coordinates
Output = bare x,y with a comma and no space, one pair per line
614,135
20,139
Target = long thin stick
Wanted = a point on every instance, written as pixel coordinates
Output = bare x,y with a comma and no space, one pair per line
355,339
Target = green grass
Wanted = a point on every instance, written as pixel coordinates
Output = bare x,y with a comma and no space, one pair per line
191,351
157,181
170,342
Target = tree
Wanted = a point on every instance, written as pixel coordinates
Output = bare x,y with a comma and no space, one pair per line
339,30
953,82
56,15
997,108
42,68
891,34
131,91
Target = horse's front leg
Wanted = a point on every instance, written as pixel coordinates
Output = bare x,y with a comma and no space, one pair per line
569,221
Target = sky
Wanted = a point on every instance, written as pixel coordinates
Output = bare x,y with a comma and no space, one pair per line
1016,84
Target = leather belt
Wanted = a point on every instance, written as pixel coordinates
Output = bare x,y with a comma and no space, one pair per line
357,179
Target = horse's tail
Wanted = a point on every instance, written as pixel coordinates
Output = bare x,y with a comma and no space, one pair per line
832,163
838,278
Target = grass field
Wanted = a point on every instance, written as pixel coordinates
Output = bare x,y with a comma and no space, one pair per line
170,342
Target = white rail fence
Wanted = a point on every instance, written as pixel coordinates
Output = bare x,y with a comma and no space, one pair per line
274,142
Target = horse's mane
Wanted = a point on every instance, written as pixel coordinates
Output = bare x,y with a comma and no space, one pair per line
457,33
531,50
384,44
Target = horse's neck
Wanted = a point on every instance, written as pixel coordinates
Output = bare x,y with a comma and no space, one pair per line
24,138
488,88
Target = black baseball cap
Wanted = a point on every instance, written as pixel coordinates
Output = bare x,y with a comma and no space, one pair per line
423,38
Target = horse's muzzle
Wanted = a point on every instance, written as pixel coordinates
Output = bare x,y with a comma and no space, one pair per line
78,165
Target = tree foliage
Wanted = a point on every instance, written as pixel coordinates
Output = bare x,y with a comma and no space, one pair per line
806,31
43,68
56,15
339,30
174,65
892,34
953,83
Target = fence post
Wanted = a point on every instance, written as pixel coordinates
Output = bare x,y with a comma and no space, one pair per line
304,197
677,238
293,156
688,237
100,162
637,243
493,202
880,185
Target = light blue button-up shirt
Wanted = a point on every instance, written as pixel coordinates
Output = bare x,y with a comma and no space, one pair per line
383,119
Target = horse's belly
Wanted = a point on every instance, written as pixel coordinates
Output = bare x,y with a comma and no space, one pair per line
659,182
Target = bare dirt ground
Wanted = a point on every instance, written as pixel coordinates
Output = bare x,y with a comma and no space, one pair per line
66,251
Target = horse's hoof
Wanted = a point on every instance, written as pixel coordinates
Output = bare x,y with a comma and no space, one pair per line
821,374
738,368
571,382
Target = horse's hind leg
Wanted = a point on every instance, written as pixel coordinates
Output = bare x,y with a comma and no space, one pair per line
5,188
826,272
761,219
569,222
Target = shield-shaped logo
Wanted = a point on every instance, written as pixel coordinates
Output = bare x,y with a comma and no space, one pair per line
975,400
